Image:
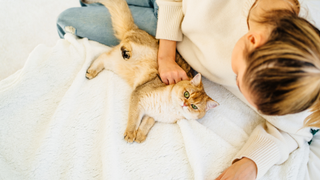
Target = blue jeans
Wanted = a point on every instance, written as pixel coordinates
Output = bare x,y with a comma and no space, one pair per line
93,21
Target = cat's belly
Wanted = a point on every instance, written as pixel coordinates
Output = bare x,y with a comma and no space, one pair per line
158,105
165,116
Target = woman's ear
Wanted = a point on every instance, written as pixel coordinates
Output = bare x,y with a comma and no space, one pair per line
255,40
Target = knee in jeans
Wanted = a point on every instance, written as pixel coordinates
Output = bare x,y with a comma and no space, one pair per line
65,19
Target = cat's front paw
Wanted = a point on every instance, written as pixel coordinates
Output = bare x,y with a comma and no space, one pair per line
141,137
130,136
90,74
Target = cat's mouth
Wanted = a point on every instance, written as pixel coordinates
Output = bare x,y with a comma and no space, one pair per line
182,104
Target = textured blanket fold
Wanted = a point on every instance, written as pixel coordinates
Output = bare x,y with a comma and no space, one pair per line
56,124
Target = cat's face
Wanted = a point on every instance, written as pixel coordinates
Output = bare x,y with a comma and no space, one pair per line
191,100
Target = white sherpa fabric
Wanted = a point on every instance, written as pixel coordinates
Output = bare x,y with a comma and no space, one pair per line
56,124
24,25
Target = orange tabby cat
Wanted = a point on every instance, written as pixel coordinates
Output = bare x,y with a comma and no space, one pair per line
156,101
135,60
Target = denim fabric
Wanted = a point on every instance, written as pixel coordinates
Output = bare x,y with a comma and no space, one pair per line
93,21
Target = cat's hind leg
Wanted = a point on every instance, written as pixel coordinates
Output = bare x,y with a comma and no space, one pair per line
144,128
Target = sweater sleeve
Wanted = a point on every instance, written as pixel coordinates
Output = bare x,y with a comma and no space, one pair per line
271,143
170,16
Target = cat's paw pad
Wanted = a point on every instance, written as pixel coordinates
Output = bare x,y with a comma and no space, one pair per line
141,137
130,136
90,74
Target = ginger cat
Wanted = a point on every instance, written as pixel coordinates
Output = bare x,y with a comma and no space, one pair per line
135,60
156,101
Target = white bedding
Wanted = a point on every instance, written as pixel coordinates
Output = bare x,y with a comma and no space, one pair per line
24,25
56,124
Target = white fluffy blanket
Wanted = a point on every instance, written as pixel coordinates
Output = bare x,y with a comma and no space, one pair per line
56,124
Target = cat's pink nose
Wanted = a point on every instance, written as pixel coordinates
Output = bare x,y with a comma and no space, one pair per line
184,104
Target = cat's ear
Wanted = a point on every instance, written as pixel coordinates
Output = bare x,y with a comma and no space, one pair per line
196,80
211,104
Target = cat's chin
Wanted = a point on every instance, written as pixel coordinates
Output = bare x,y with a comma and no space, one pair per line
185,115
190,119
184,109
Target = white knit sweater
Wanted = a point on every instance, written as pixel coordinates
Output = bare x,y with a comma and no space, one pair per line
206,32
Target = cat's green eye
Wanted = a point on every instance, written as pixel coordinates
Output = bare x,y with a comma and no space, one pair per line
186,94
194,106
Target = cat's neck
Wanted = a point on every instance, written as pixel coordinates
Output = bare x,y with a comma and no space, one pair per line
169,95
168,91
161,107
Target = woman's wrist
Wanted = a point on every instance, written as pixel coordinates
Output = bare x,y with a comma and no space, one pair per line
250,164
167,51
166,60
243,169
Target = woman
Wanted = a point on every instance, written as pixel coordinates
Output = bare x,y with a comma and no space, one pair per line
277,64
206,35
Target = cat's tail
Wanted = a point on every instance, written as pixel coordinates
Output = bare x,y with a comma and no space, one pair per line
122,20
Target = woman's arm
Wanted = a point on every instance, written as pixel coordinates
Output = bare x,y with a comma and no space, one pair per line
170,72
269,144
170,16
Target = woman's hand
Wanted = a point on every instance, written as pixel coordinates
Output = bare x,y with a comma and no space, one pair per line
244,169
170,72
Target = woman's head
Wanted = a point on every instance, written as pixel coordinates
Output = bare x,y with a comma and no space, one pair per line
282,75
260,29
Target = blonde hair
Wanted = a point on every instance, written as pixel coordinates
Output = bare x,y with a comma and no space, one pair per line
284,73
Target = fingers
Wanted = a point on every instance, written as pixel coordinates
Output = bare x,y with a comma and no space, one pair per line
168,81
184,77
173,77
164,80
171,81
